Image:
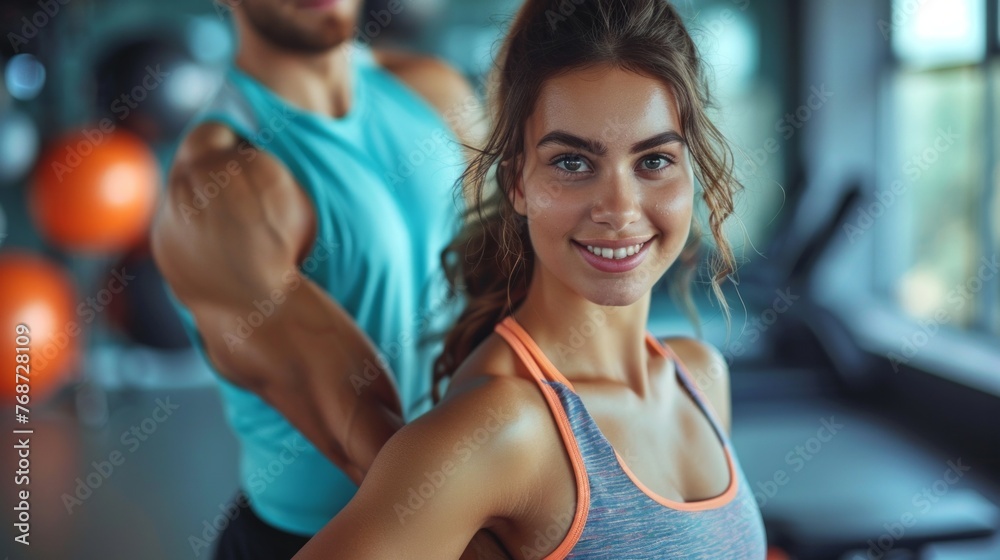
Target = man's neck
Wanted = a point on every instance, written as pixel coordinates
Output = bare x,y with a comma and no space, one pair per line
316,82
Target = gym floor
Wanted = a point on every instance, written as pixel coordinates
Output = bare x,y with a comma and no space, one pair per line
109,492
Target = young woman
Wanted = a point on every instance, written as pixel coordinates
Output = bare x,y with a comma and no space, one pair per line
568,431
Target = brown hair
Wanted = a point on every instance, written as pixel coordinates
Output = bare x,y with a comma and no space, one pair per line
491,260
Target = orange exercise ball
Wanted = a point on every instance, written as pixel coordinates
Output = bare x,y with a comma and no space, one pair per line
777,553
38,294
95,191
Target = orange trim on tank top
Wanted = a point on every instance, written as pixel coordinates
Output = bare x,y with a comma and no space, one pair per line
549,371
509,331
713,418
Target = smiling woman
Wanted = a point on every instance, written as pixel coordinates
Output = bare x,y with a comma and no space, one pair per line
631,190
567,430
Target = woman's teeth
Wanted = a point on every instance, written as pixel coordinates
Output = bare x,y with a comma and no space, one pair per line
615,254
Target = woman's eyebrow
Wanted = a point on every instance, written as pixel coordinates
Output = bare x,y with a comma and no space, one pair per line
599,148
595,147
668,137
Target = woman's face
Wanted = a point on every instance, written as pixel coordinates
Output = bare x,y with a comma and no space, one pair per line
607,184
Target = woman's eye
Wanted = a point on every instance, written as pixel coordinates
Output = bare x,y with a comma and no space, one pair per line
572,164
655,163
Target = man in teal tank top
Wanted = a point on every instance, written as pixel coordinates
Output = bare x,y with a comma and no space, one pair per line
301,235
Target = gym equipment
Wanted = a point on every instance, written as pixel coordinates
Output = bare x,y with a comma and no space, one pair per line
24,76
794,253
143,311
3,226
777,553
40,295
153,86
18,145
94,191
874,529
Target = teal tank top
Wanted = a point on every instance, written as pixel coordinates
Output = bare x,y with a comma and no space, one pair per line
381,180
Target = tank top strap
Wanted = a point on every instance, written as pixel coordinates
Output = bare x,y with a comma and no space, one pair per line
522,345
230,107
546,368
689,383
522,352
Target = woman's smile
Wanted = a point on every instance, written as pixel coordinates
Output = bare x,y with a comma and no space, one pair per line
614,256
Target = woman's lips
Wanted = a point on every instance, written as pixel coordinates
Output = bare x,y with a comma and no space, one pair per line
316,4
613,265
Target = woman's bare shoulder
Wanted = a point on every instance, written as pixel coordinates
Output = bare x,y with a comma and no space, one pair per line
493,359
493,375
491,425
491,383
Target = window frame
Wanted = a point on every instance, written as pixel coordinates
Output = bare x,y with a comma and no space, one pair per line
990,320
969,356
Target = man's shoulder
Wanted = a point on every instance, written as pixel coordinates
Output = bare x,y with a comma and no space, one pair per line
437,82
417,69
213,153
222,187
209,143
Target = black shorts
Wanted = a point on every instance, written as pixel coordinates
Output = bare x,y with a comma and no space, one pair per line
248,537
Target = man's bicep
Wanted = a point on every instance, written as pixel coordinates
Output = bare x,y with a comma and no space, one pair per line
232,258
236,267
223,257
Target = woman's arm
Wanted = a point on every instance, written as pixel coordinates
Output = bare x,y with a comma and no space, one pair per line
440,479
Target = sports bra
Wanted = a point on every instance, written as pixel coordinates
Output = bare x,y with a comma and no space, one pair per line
616,515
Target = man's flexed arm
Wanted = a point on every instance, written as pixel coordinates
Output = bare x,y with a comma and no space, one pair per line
308,358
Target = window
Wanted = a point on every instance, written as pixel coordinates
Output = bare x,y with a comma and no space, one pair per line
938,32
940,160
942,166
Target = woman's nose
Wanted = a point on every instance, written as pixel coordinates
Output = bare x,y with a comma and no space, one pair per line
618,204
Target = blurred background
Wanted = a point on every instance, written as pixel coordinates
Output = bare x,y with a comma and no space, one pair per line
865,337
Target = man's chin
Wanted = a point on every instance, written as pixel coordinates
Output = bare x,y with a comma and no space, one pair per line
307,33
